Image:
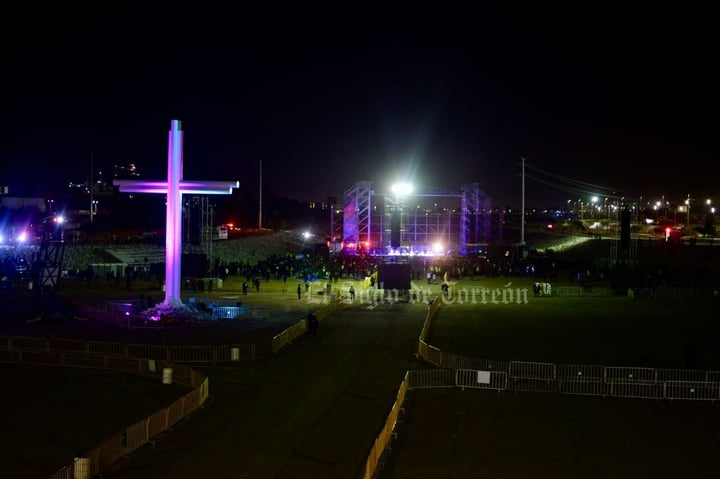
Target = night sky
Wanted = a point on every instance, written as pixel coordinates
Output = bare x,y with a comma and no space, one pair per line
624,99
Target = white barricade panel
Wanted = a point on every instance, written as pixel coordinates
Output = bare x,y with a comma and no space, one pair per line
572,372
433,378
680,375
631,374
692,390
639,390
471,378
527,370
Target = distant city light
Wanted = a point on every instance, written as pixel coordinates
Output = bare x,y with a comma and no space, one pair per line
306,234
22,237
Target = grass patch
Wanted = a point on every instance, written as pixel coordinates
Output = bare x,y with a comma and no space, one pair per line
612,331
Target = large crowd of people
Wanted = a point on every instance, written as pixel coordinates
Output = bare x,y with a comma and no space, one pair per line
285,256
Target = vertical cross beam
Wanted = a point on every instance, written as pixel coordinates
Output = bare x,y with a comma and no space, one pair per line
173,219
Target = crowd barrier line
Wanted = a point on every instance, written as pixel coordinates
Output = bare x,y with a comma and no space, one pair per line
454,370
99,459
290,334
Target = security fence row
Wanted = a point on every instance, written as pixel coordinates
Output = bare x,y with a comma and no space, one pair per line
383,440
99,459
500,381
293,332
178,354
580,379
457,371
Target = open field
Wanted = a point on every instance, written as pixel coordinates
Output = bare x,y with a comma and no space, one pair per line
348,375
472,433
51,414
611,331
482,434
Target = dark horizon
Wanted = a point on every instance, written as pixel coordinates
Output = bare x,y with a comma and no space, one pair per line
624,100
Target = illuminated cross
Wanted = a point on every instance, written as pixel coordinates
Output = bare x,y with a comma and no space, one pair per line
174,188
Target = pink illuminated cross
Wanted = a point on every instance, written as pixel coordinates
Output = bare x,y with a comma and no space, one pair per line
175,187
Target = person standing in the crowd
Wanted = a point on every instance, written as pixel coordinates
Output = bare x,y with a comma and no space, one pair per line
299,291
352,293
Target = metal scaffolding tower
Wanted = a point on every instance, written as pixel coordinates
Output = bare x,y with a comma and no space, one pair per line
431,221
357,213
199,220
47,265
475,216
623,249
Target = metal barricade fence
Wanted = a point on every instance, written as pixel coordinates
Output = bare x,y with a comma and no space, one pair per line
9,356
226,312
157,423
193,354
29,343
582,379
567,372
631,374
692,390
385,435
106,454
637,390
288,335
429,353
433,378
692,375
109,349
529,376
528,370
70,345
148,351
236,352
456,361
133,437
567,291
175,411
99,459
84,361
712,376
472,378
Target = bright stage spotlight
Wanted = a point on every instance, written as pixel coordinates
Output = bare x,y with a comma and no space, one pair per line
401,189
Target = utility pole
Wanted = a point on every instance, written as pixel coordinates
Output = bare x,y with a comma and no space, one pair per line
92,203
522,205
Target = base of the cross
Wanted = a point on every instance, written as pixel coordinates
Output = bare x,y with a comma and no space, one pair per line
173,313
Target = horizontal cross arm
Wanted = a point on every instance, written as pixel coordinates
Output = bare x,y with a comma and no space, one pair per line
186,187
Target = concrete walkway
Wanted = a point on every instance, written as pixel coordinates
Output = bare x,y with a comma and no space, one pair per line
312,411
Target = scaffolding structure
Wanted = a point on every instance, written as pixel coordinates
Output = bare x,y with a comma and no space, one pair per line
199,219
476,217
48,262
429,222
623,248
